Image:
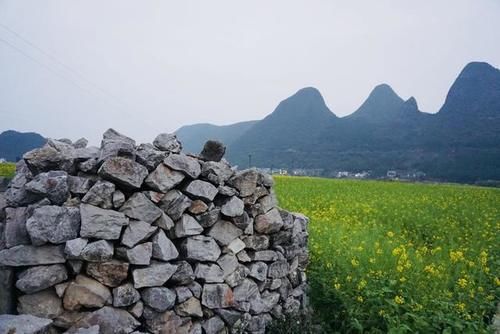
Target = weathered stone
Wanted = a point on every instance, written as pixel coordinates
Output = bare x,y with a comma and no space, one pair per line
80,143
217,296
163,248
25,324
187,226
224,232
163,179
245,182
265,255
202,190
155,275
227,191
118,199
200,248
100,223
140,254
110,320
174,203
256,242
258,270
183,163
167,142
74,248
149,156
53,224
197,207
264,303
189,308
123,171
41,277
7,291
234,207
98,251
231,317
89,166
251,201
268,223
164,222
278,269
43,304
214,325
125,295
68,318
79,185
168,322
196,289
15,232
101,195
245,291
183,293
209,273
139,207
49,158
136,232
158,298
209,218
24,255
137,309
115,144
236,246
61,288
184,274
243,257
217,172
111,273
85,292
90,330
53,185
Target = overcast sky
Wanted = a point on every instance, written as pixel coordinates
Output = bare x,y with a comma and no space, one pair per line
75,68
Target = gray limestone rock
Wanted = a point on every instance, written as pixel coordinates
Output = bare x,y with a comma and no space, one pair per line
258,270
183,293
80,143
155,275
101,195
233,207
228,263
100,223
187,226
209,218
25,324
159,298
236,246
164,222
53,185
167,142
125,295
27,255
237,276
39,278
111,321
137,231
85,292
125,172
278,269
98,251
245,182
74,248
174,203
216,296
111,273
149,156
200,248
43,304
49,158
163,179
268,223
118,199
224,232
214,325
202,190
189,308
140,254
163,248
217,172
256,242
185,164
53,224
7,291
79,185
15,232
184,274
139,207
209,273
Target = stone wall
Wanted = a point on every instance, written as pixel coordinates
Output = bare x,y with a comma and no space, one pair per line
146,239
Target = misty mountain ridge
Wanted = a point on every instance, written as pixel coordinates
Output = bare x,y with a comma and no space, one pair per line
14,144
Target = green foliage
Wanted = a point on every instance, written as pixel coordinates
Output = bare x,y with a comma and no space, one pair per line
397,257
7,169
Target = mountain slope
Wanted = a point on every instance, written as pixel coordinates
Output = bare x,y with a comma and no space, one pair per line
14,144
382,104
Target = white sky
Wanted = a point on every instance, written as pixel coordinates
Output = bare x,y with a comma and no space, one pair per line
145,67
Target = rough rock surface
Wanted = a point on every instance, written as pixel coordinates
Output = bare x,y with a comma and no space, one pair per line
145,239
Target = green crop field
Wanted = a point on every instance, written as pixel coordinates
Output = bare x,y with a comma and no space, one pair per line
399,257
7,169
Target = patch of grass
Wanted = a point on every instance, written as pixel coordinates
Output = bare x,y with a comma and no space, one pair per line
7,169
398,257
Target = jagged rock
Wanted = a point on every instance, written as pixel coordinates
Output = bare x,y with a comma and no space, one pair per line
268,223
164,222
256,242
196,289
214,325
43,304
74,248
209,273
236,246
15,232
228,263
197,207
174,203
115,144
79,185
139,207
125,172
98,251
234,207
89,166
187,226
264,303
265,255
60,289
39,278
163,179
137,309
24,255
213,150
224,232
101,195
111,273
209,218
53,185
183,293
140,254
25,324
227,191
167,142
202,190
155,275
80,143
91,330
68,318
49,158
85,292
184,274
159,298
245,292
245,182
136,232
100,223
163,248
217,296
200,248
53,224
110,320
125,295
258,270
183,163
118,199
231,317
168,322
189,308
278,269
217,173
149,156
243,257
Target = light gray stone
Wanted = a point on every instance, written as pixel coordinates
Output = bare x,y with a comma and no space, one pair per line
25,255
43,304
168,322
184,274
125,295
90,330
163,248
268,223
265,255
189,308
25,324
155,275
200,248
98,251
53,185
209,218
101,195
80,143
224,232
196,289
74,248
60,289
227,191
140,254
246,291
111,273
139,207
79,185
167,142
231,317
209,273
216,296
159,298
149,156
256,242
278,269
53,224
258,270
187,226
183,163
236,246
118,199
85,292
137,309
236,277
164,222
123,171
50,157
15,232
162,179
264,303
136,232
39,278
183,293
174,203
228,263
217,172
111,321
100,223
234,207
245,182
201,189
115,144
214,325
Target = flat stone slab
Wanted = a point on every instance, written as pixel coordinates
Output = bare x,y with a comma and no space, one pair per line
25,255
101,223
25,324
123,171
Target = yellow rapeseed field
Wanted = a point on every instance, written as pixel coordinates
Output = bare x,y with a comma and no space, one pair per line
399,257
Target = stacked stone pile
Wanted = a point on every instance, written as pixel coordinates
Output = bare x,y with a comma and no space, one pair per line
145,239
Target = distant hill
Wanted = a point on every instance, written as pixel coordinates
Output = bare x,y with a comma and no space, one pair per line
14,144
460,143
